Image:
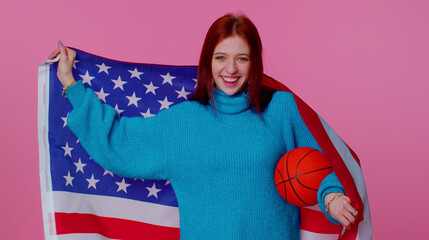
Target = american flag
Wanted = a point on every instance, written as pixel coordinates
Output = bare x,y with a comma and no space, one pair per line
81,200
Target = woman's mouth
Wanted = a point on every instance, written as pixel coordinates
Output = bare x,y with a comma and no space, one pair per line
229,81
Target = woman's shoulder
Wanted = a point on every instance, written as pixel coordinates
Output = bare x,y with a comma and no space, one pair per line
282,97
281,106
185,107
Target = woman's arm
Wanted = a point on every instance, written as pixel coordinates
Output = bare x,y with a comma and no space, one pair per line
331,192
131,147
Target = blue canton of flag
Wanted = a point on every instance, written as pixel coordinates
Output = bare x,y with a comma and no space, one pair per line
134,90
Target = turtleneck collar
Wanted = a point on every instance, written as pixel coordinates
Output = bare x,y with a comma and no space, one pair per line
234,104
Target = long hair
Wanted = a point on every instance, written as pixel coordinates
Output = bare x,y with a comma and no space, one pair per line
224,27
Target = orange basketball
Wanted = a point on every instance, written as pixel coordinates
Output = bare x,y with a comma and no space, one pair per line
298,175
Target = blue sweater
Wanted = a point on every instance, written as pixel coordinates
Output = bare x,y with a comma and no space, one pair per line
220,163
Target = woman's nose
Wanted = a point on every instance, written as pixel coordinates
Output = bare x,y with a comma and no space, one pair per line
231,67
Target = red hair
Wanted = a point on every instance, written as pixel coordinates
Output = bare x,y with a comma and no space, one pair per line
224,27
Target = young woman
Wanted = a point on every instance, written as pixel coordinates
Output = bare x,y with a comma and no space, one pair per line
232,133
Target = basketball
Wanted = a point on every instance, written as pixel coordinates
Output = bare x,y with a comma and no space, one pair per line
298,175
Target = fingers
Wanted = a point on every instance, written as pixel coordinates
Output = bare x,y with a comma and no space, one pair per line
71,53
350,209
63,51
349,219
349,214
60,49
54,53
65,63
343,212
345,222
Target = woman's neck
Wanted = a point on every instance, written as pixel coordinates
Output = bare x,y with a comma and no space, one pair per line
227,104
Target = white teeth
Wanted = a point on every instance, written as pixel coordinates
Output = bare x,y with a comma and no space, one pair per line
230,79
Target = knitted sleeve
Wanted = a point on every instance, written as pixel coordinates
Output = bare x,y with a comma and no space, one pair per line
329,185
130,147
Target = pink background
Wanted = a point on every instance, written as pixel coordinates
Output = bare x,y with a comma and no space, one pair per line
363,66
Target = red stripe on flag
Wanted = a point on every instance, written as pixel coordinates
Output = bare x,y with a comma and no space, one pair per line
112,227
315,221
354,155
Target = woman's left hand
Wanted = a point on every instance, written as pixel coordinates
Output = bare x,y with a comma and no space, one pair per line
340,209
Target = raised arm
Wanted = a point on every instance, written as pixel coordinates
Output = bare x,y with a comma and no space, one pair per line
131,147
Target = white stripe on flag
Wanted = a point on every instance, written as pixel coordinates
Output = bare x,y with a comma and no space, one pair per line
44,157
315,207
306,235
81,236
113,207
365,226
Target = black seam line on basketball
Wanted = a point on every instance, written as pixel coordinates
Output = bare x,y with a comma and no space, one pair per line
299,162
304,174
297,165
296,170
291,185
284,185
296,194
282,181
288,175
313,171
277,169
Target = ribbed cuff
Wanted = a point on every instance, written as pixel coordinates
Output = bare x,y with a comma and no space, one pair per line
330,184
76,93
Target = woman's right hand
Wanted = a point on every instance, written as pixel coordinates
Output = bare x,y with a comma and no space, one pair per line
65,64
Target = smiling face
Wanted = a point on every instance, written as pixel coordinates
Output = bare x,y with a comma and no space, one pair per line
231,64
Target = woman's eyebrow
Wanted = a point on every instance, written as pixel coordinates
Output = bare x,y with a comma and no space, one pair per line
222,53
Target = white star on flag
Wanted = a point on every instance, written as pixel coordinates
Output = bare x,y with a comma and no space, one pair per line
74,63
65,120
167,182
195,82
102,95
182,93
150,88
165,104
103,68
147,114
118,110
153,191
135,73
119,83
86,78
167,79
122,185
67,150
107,172
79,166
69,179
92,181
133,99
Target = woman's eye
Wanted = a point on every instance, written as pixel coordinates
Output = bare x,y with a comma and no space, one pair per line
219,57
243,59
